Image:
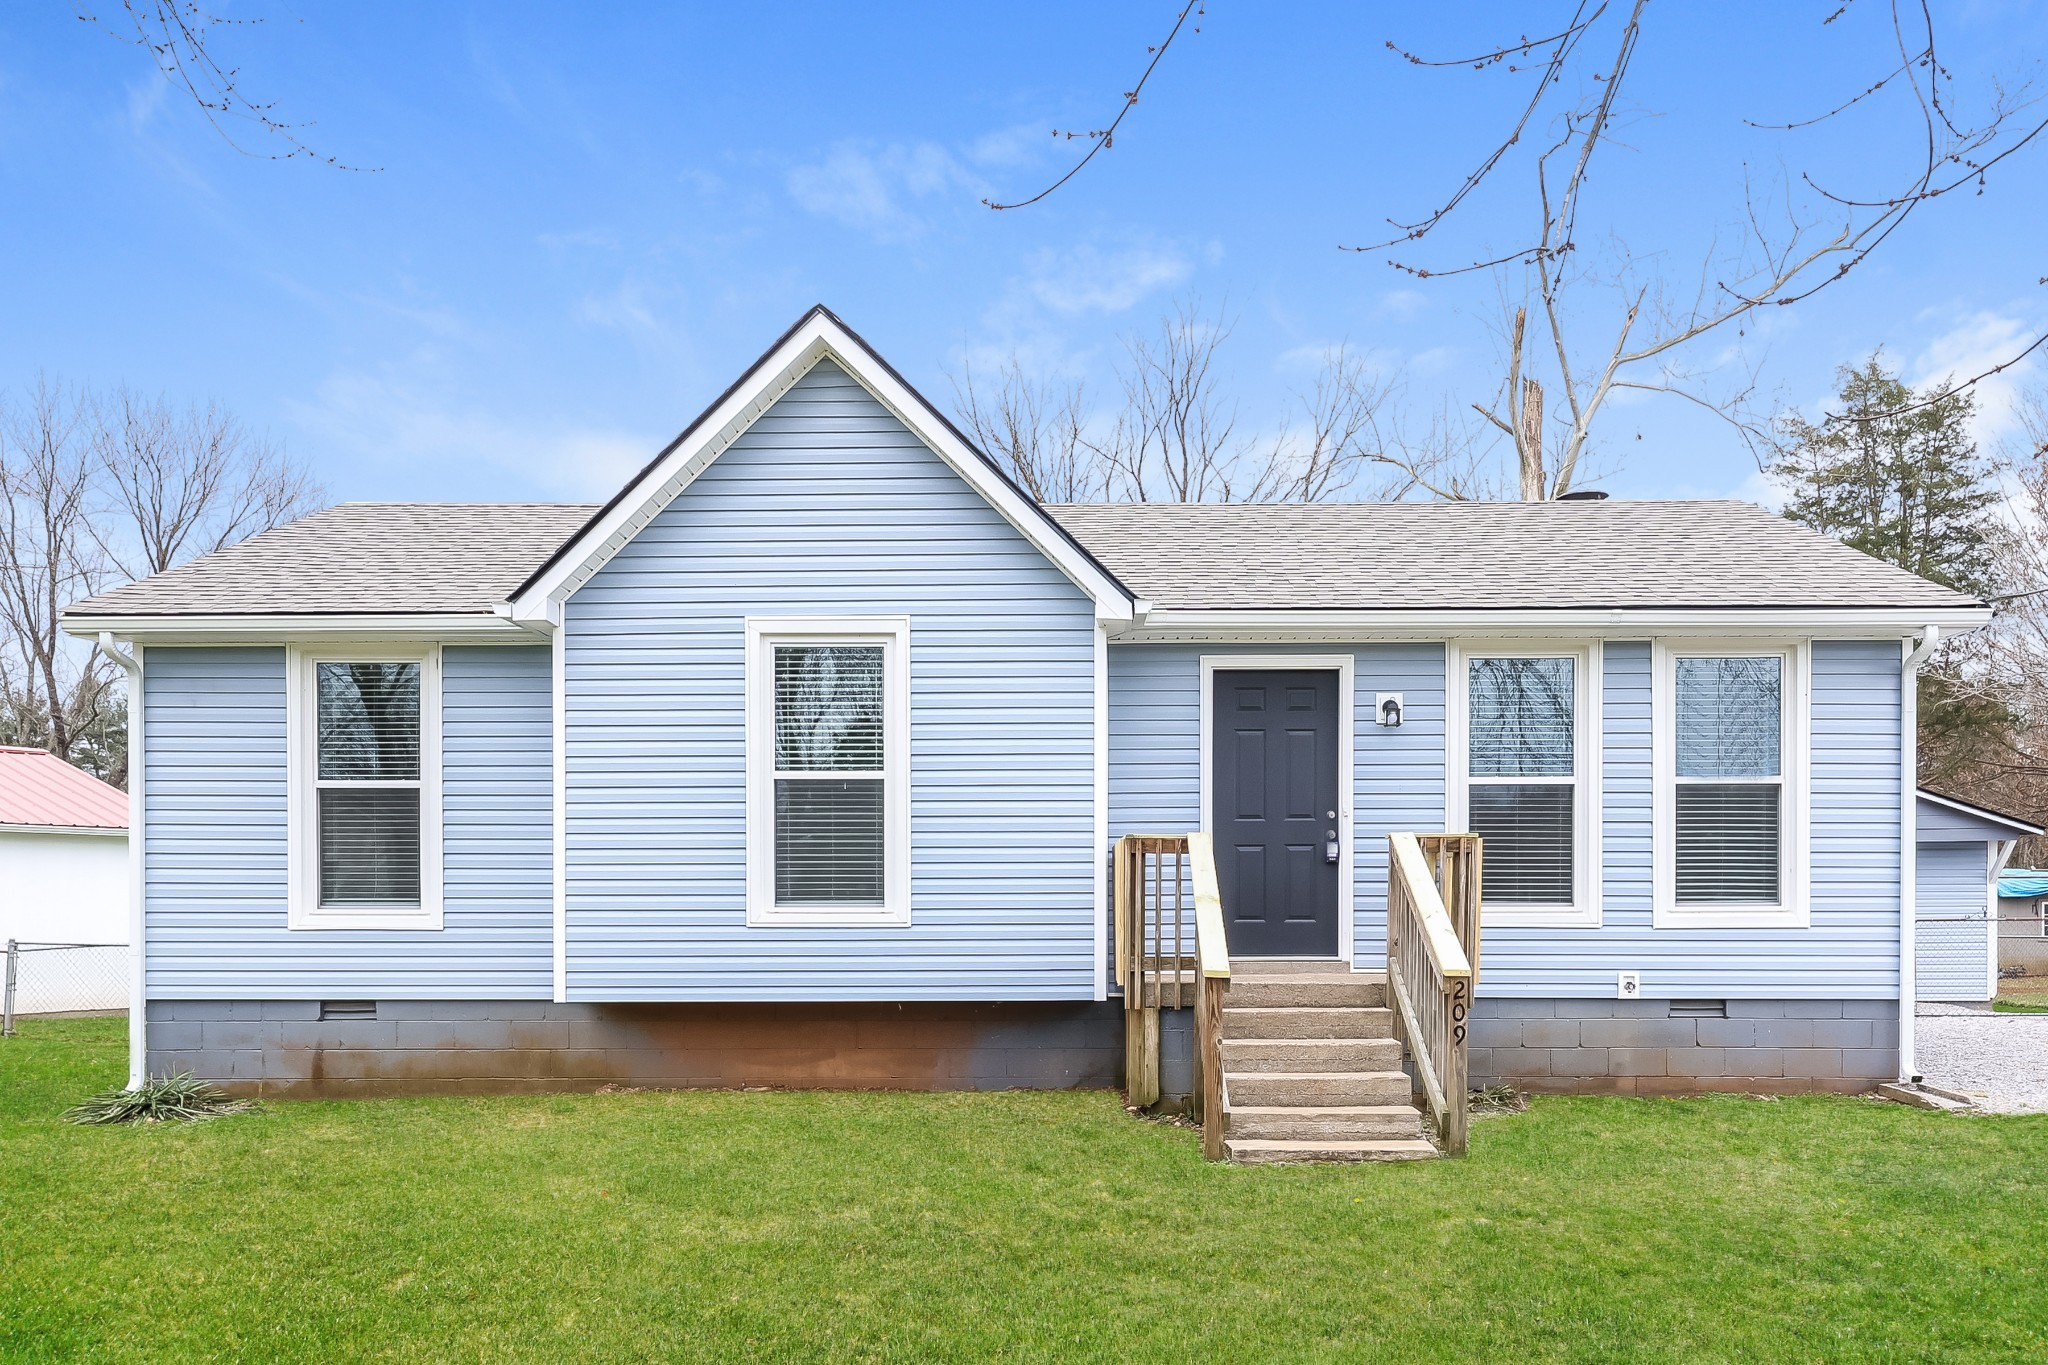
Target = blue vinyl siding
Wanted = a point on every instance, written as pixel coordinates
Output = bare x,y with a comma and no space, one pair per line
1952,905
1939,824
1155,765
828,505
1850,951
216,839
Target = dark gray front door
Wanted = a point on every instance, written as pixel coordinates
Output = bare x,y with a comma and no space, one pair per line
1273,813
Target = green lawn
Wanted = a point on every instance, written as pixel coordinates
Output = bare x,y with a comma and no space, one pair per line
1037,1226
2022,995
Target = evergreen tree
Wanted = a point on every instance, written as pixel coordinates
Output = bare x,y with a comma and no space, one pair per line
1907,487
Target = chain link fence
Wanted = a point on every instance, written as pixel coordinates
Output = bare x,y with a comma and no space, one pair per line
63,978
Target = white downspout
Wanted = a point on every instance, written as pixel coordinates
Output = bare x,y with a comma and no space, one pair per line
138,1001
1909,838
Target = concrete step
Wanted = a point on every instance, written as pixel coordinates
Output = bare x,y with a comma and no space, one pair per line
1276,1151
1326,1123
1316,1089
1310,1054
1315,1021
1288,966
1305,989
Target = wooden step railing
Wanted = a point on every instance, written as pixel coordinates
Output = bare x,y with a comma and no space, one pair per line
1170,954
1433,893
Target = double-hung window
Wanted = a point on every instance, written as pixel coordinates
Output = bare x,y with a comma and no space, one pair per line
1730,817
1523,780
365,789
827,771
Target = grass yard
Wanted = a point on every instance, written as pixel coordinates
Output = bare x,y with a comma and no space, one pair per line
2022,995
1036,1226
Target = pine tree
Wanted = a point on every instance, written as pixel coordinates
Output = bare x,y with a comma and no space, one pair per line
1907,487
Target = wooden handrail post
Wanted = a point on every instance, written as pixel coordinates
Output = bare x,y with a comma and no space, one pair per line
1145,914
1432,945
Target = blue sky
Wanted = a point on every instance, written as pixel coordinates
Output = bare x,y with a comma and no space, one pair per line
588,219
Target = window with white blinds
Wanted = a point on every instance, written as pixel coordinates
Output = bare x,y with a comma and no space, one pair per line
826,799
1730,786
364,792
1522,777
1728,714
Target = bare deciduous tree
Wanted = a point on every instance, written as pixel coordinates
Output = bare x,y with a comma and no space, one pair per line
1617,318
48,559
1176,437
1783,256
93,493
1035,429
179,485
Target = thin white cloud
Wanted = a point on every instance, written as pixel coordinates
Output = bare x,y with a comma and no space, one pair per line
1010,148
1093,279
384,418
1402,305
1972,347
884,191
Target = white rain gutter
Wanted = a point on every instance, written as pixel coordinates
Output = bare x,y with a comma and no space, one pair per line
138,1003
1909,838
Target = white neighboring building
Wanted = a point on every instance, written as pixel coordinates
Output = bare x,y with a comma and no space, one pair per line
63,880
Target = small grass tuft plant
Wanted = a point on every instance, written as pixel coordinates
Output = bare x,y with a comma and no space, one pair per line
182,1098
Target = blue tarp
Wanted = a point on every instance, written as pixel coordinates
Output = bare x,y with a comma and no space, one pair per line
2022,884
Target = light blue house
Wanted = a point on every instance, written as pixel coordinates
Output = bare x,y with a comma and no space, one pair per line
799,762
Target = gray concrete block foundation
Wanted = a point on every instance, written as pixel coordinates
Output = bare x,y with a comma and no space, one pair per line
1659,1047
284,1048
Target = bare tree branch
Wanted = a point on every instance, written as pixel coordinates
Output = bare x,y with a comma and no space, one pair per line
97,492
178,35
1103,138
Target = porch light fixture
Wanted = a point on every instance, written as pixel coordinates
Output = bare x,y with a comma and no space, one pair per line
1388,705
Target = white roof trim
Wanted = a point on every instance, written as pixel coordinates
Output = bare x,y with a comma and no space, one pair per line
1979,813
1170,624
819,335
199,629
102,831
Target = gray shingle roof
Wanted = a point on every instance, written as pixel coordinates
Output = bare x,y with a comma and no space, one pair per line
1483,555
361,557
466,557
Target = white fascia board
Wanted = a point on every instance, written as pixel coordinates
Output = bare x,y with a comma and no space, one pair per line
818,337
1163,624
90,831
472,627
1979,813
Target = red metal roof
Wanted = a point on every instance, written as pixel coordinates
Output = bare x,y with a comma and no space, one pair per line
39,788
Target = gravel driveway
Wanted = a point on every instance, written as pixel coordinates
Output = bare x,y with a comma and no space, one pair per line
2000,1060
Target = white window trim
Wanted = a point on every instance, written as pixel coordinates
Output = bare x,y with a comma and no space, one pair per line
303,737
1587,722
763,634
1792,909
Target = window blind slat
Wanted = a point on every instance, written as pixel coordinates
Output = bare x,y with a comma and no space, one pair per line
1728,843
369,721
369,846
1728,717
1529,841
829,841
1520,717
828,708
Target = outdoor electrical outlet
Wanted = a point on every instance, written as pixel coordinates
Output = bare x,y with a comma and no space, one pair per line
1629,987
